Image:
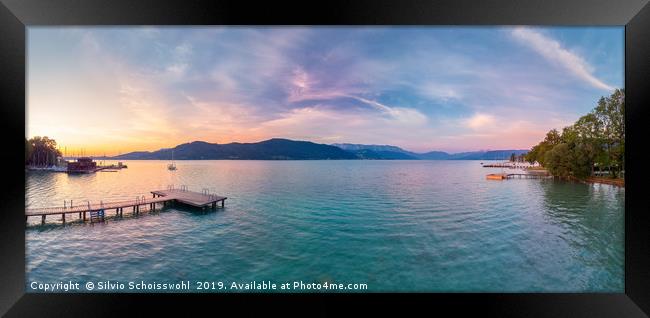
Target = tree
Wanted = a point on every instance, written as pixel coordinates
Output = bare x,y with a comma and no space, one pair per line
582,160
538,153
610,115
531,156
597,138
521,157
558,160
28,150
43,151
553,137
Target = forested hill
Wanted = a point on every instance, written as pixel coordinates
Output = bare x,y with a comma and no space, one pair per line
285,149
272,149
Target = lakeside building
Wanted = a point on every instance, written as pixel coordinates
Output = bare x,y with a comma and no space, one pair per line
82,165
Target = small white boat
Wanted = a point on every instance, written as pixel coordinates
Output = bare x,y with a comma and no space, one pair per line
172,166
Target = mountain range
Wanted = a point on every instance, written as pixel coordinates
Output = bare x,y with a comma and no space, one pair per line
393,152
285,149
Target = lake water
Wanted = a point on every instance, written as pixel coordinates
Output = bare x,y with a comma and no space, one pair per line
435,226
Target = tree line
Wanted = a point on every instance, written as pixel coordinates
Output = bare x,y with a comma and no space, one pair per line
517,158
595,143
41,151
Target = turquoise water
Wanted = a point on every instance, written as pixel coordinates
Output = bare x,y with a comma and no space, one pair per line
435,226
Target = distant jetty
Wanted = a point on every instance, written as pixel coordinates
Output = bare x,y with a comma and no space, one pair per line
509,165
504,176
81,165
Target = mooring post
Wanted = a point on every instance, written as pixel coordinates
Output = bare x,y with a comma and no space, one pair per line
43,219
63,217
84,216
223,202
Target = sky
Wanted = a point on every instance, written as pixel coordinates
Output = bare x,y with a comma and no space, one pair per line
113,90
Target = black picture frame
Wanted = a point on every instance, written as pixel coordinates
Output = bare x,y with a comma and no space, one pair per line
16,15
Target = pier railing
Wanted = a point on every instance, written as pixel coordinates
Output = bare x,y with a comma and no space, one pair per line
183,195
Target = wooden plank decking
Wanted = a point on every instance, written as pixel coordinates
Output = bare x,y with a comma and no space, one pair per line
188,197
85,207
195,199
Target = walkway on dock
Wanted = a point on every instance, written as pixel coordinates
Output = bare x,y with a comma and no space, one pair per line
202,200
503,176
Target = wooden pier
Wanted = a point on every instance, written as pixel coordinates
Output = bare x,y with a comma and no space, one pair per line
504,176
97,212
506,165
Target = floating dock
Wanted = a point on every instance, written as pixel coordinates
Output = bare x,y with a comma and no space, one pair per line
97,211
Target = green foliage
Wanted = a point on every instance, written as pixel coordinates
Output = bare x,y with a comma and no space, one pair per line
41,151
583,155
594,140
558,160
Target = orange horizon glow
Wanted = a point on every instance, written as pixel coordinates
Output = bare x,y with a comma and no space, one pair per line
122,89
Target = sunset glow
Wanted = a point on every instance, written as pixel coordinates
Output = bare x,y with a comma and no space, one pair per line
115,90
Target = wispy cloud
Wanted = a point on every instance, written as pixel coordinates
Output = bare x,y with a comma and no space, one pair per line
401,114
553,51
451,89
479,121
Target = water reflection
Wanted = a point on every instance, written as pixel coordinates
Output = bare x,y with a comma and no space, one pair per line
589,218
402,225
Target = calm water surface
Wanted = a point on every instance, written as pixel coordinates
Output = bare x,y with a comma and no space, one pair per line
394,225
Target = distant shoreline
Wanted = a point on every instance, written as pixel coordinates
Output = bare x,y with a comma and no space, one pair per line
317,159
619,182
